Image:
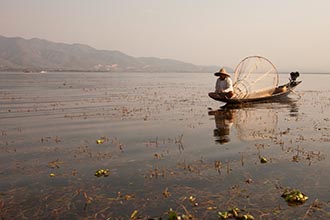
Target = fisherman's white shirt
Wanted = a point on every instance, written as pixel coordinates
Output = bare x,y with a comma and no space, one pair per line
224,86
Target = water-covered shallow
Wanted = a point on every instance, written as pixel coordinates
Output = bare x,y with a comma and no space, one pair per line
166,145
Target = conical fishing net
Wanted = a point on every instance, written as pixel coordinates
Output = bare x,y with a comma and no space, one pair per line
255,77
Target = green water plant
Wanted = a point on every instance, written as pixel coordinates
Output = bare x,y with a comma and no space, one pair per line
294,197
172,215
235,213
263,160
102,172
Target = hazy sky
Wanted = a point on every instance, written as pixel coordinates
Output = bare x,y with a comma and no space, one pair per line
293,34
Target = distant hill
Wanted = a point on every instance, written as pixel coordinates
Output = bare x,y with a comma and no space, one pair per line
18,54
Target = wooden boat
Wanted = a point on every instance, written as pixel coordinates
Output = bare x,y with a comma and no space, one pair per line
256,80
279,92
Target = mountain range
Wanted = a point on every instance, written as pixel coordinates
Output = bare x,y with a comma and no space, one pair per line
18,54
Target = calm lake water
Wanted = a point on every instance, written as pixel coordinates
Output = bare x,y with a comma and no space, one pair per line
166,144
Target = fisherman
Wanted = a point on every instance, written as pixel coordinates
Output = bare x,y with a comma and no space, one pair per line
224,84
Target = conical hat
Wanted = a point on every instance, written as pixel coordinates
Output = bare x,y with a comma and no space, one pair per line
222,71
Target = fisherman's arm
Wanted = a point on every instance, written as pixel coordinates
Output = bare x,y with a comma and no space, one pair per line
229,86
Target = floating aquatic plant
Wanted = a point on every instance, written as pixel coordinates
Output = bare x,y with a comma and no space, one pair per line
172,215
294,197
235,213
263,160
100,141
102,172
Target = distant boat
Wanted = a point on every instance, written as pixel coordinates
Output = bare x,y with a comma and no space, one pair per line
256,80
43,71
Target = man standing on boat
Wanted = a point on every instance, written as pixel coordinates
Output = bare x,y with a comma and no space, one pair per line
224,84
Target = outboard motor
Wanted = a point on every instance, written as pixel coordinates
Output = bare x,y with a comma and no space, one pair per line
294,76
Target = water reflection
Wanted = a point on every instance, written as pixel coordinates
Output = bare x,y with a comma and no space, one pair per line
224,119
251,122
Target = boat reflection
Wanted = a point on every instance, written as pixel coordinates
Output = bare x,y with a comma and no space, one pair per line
250,122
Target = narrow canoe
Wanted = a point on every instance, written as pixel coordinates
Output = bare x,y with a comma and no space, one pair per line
280,92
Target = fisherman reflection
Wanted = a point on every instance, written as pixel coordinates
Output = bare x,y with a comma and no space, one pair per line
223,121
